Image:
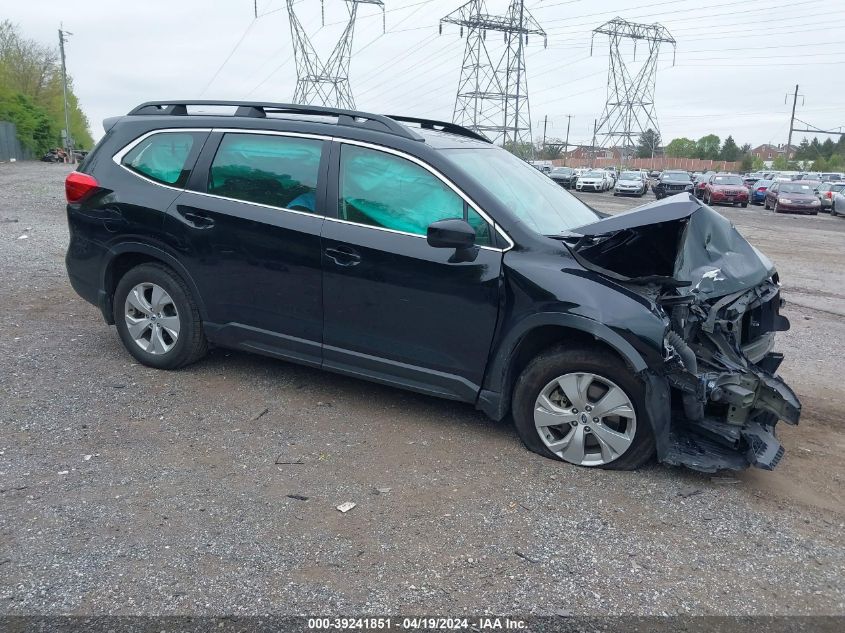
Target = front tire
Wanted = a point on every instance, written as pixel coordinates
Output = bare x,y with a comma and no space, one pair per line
157,318
583,406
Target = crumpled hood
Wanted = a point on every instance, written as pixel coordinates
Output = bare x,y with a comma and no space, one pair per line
676,242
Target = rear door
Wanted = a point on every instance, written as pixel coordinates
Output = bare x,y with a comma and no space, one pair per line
397,310
248,228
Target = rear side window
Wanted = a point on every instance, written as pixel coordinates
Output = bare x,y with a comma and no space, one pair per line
383,190
166,157
279,171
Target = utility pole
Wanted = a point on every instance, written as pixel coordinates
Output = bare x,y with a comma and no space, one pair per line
593,146
545,125
68,144
792,121
566,142
255,8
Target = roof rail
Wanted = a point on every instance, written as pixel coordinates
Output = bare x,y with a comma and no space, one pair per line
450,128
259,109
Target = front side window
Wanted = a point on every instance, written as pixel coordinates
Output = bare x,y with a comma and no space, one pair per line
531,197
383,190
163,157
279,171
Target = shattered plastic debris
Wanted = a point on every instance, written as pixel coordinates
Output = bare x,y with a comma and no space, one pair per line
346,506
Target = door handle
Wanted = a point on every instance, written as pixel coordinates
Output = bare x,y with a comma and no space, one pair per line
343,256
196,219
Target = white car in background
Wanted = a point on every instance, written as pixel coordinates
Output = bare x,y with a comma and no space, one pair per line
630,183
593,180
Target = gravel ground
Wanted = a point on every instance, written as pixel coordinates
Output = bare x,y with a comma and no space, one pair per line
126,490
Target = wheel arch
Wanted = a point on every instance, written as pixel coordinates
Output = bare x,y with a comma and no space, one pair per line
120,258
535,334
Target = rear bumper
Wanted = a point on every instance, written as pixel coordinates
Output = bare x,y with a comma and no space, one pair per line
723,197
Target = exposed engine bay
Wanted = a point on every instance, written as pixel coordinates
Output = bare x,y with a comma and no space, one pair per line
721,299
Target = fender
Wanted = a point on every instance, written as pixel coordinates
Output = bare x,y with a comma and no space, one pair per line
142,248
494,398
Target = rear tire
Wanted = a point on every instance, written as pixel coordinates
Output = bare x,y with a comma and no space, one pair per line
598,370
743,205
167,330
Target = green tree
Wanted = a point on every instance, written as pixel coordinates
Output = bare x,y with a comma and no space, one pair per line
780,163
745,149
681,148
827,148
757,164
522,150
803,151
707,147
730,151
31,70
747,163
552,150
648,144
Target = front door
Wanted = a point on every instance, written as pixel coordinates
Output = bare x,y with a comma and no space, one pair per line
397,310
249,233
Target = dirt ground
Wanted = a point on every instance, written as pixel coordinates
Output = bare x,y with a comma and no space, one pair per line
128,490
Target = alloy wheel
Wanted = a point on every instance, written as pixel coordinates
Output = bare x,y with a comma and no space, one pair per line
152,318
585,419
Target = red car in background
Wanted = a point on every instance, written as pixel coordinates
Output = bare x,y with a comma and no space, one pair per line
700,182
792,196
725,189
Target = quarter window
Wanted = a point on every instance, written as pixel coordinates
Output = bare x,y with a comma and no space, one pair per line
383,190
163,157
280,171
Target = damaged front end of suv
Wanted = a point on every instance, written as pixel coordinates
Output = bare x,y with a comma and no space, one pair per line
721,299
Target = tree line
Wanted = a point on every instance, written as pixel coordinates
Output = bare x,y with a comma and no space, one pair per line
31,94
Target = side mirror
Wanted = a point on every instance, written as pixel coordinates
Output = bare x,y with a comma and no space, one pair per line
452,233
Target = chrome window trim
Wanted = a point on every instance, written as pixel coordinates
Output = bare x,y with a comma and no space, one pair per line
118,157
439,176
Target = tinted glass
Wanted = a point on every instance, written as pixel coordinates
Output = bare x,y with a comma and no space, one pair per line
162,157
279,171
380,189
630,175
727,180
839,186
594,174
675,175
534,199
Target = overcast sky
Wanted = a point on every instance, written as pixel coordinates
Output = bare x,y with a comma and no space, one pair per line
736,60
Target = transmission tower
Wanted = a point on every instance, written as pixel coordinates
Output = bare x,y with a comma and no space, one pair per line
318,83
493,90
629,110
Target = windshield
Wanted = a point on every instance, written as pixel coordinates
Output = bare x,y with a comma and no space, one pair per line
794,187
630,175
675,175
562,170
727,180
532,197
594,174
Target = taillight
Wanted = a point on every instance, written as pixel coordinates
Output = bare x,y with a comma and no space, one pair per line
79,186
761,188
829,195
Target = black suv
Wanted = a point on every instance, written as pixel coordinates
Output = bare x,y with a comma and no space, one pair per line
671,182
417,254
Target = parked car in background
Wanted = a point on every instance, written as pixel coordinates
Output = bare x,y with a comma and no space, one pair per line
833,177
837,206
700,183
671,182
725,189
594,180
751,179
630,183
797,197
564,176
825,191
758,191
653,173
